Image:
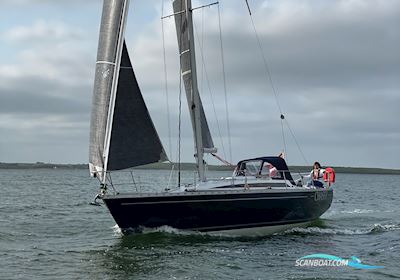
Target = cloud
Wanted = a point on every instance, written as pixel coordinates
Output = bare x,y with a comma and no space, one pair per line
47,2
45,93
50,51
335,66
42,32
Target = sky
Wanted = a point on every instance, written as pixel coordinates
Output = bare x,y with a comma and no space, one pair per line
335,66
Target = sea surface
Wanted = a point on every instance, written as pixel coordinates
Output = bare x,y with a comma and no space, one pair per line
48,230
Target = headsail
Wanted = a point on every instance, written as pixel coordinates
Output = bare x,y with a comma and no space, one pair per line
122,134
134,140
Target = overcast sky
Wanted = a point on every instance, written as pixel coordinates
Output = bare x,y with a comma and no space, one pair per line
335,65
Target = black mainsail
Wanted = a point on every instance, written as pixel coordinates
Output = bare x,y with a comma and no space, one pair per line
122,134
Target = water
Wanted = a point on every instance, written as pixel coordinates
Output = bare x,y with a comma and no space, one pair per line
48,230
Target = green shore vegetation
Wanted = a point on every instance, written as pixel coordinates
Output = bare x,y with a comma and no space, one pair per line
192,166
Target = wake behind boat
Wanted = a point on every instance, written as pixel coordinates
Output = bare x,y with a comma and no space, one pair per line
261,196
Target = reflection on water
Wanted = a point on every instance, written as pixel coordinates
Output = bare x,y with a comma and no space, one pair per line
50,231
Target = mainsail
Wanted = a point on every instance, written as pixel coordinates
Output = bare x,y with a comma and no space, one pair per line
122,134
184,31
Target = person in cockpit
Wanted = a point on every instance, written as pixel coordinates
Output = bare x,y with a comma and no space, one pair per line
316,175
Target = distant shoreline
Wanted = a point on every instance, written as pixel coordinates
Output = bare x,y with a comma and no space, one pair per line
191,166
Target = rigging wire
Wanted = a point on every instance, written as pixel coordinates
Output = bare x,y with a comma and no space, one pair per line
179,119
202,47
224,80
178,150
210,91
268,73
297,144
166,81
179,125
283,136
167,95
283,119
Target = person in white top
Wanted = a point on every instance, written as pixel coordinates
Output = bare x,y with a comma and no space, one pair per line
315,175
273,172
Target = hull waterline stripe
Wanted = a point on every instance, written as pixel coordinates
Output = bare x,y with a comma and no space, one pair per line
250,225
210,200
257,230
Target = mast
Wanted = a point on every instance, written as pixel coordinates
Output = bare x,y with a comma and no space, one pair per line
196,97
202,136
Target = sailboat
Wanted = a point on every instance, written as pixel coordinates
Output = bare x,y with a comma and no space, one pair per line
122,136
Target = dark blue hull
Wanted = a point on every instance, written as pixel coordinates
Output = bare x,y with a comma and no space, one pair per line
218,210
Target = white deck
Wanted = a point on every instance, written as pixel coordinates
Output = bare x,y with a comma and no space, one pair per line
247,181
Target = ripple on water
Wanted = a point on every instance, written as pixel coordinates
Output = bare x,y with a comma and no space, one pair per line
51,232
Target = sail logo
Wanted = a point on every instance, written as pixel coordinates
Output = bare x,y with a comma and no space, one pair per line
324,260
